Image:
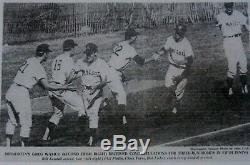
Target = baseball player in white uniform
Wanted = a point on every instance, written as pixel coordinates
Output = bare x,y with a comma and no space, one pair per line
123,54
30,73
94,73
63,72
230,22
180,56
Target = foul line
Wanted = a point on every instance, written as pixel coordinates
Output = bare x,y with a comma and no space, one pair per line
206,134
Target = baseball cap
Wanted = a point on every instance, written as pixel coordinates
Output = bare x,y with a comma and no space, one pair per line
43,48
90,48
68,44
228,4
130,32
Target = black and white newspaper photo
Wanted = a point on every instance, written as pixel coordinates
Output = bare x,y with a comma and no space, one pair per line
125,81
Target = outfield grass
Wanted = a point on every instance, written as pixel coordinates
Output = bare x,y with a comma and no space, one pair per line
204,108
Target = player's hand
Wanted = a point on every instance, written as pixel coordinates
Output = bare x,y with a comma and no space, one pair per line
69,87
99,86
156,56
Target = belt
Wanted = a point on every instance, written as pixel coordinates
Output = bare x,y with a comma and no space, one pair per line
178,66
236,35
21,86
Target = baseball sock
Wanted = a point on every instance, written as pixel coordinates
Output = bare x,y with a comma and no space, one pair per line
24,141
230,82
8,140
93,134
122,109
243,80
49,131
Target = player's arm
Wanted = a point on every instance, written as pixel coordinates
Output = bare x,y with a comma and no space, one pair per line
190,60
141,60
53,87
73,75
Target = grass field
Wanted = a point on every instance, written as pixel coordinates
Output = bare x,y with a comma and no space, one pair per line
205,107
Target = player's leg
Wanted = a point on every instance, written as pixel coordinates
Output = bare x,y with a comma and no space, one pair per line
121,100
19,109
75,101
58,107
118,91
11,124
92,113
242,67
25,122
232,63
171,83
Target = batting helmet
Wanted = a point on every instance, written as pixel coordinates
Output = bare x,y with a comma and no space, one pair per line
42,48
69,44
130,32
228,4
180,29
91,48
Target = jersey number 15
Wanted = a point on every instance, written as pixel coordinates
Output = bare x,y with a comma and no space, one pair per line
57,65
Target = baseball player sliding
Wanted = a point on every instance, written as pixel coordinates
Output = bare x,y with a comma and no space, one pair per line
30,73
230,23
94,76
63,72
180,56
123,54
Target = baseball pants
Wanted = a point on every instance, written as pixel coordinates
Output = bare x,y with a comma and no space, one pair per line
19,110
116,86
170,80
235,55
59,100
92,111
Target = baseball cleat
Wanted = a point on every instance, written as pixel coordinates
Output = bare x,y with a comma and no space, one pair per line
174,110
230,92
244,90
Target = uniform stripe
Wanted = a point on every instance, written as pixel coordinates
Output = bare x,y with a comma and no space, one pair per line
16,114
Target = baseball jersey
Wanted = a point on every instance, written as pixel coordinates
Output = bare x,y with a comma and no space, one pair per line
62,65
122,54
231,24
30,73
179,51
92,74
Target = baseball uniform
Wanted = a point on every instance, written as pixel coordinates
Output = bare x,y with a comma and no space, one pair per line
18,98
91,75
178,51
122,55
231,29
62,67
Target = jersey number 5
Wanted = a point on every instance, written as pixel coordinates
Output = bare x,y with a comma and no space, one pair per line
23,67
57,65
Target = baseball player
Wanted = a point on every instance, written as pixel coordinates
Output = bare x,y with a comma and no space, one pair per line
63,72
230,23
180,56
123,54
30,73
93,72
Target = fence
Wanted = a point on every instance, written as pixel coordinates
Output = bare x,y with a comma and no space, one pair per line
33,21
